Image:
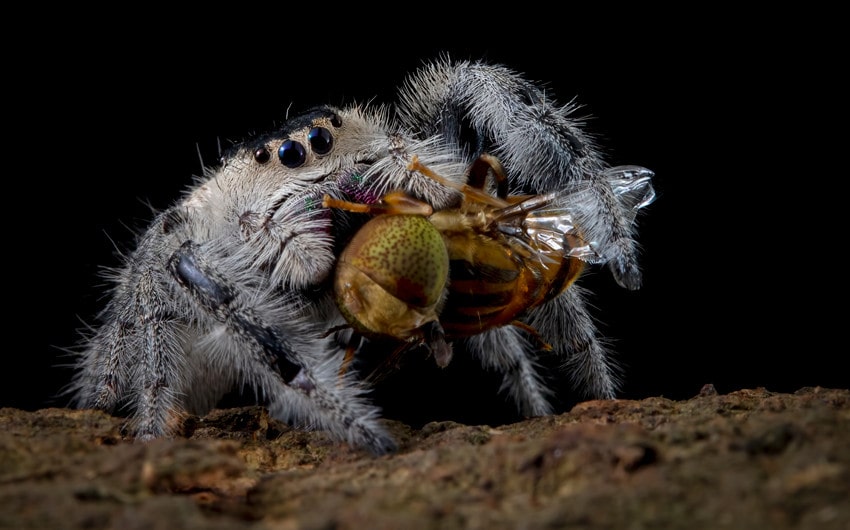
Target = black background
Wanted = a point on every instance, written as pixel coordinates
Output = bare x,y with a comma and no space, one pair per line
737,117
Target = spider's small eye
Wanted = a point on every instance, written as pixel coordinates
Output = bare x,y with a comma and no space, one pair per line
336,121
321,140
292,154
262,155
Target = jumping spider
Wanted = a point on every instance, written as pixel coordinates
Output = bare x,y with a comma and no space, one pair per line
230,287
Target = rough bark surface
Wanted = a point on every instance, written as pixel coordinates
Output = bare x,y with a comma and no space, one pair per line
749,459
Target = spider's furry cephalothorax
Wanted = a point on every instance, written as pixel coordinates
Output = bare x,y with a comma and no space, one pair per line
229,287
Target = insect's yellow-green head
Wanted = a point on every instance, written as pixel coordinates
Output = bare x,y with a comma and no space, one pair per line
392,275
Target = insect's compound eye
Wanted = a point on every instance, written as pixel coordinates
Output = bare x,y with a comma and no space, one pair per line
262,155
321,140
292,154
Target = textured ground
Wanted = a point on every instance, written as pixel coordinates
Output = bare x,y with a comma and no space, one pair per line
749,459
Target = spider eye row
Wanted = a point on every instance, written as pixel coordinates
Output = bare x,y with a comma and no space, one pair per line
293,153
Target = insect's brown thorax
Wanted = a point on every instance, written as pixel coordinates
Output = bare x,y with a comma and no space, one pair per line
493,283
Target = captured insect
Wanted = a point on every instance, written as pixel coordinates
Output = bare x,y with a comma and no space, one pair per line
506,254
231,287
391,277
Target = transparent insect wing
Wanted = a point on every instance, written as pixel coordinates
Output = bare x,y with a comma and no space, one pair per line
573,211
556,229
633,188
553,220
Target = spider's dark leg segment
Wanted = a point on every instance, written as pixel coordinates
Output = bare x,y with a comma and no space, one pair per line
217,297
293,369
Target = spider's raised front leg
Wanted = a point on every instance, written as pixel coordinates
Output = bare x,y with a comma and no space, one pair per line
477,108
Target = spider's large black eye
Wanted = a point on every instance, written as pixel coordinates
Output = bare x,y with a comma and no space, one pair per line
292,154
321,140
262,155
